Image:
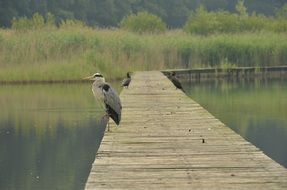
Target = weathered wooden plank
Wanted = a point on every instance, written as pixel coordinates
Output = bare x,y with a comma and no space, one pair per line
168,141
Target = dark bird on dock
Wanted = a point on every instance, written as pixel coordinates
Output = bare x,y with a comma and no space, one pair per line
175,81
107,96
126,81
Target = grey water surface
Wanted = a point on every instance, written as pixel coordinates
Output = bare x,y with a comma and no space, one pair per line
49,136
255,108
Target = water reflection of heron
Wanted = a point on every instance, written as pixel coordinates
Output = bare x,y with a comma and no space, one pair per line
108,97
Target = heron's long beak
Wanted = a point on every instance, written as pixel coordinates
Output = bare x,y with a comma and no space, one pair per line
88,78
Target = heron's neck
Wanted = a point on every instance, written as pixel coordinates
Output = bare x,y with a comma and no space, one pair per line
99,81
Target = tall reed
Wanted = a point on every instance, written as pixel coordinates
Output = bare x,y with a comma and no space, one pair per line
71,53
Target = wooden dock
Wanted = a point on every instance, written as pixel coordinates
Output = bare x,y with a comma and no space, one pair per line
168,141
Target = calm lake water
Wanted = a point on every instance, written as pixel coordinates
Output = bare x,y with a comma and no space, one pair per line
255,109
49,136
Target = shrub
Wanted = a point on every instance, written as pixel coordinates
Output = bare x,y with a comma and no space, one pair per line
72,23
200,22
36,22
203,22
282,13
143,22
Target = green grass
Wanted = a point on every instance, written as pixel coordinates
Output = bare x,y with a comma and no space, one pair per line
74,52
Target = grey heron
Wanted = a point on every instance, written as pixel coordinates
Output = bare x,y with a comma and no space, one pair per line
126,81
175,81
107,96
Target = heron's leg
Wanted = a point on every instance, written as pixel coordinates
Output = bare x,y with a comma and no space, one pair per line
108,121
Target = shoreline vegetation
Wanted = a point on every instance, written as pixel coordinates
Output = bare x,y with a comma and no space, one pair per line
71,54
36,49
196,74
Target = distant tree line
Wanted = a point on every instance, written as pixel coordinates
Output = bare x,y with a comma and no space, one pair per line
109,13
200,22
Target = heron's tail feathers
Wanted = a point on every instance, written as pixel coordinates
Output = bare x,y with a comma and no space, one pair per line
114,115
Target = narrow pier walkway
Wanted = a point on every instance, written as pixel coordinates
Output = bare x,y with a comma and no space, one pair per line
168,141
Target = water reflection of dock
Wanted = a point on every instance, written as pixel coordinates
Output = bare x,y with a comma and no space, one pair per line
168,141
